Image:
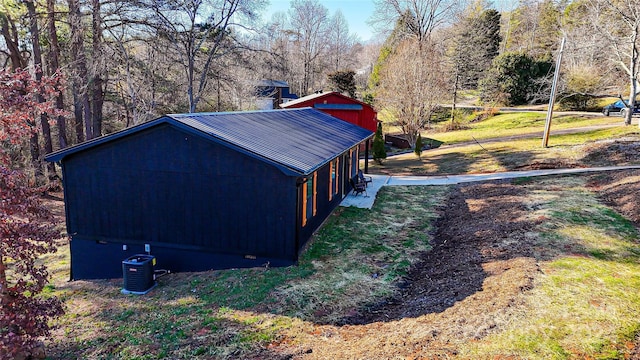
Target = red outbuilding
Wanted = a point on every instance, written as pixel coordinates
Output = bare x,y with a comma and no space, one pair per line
340,106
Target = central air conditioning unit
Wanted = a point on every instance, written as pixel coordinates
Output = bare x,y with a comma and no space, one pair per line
138,274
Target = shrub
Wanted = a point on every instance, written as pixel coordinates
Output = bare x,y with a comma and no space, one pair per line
379,152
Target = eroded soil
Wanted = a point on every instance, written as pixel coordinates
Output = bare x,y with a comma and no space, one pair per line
471,284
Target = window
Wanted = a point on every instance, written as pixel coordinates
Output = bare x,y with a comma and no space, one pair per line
309,191
336,187
354,161
332,178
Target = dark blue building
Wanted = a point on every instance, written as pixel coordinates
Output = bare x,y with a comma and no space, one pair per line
206,190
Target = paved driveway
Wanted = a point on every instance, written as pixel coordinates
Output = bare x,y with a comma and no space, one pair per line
366,200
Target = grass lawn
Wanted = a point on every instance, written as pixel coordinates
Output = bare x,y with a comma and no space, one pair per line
496,151
570,293
519,123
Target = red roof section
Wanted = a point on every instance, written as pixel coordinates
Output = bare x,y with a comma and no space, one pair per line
343,107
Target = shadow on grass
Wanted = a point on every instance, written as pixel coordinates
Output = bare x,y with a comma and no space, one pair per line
481,224
171,321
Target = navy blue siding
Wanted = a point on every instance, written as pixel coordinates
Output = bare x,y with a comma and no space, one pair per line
325,206
174,190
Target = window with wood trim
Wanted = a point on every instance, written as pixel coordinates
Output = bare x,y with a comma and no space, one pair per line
332,178
309,191
355,164
337,182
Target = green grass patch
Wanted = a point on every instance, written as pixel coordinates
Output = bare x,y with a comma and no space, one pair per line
584,303
566,150
359,253
510,124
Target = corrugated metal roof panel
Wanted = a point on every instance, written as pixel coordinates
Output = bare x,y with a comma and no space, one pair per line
299,139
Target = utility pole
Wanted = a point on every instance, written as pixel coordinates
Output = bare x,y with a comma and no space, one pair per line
552,100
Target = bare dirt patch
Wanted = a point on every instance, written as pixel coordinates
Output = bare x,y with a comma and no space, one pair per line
481,235
471,284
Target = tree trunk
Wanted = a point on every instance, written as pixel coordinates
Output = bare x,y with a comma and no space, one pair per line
77,112
10,35
634,71
37,61
54,65
98,93
82,106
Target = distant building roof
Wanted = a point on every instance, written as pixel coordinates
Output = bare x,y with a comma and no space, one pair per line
305,98
273,83
299,140
317,96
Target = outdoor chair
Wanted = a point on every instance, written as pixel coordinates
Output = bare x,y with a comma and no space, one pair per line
358,186
364,179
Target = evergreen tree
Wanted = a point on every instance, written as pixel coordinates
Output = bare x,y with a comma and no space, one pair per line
379,152
477,44
418,148
344,81
513,79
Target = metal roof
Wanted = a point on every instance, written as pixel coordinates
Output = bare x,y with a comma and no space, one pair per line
273,83
316,96
337,106
300,140
305,98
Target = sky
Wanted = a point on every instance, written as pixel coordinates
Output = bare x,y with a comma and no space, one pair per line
357,12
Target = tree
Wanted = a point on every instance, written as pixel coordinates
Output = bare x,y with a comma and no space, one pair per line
411,82
18,59
54,66
421,17
477,43
344,82
619,22
418,148
37,61
379,151
199,32
79,74
11,36
310,22
26,228
534,29
512,79
412,86
340,42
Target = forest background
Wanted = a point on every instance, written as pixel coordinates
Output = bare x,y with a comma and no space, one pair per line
127,62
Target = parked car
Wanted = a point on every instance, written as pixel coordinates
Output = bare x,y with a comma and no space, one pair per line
620,108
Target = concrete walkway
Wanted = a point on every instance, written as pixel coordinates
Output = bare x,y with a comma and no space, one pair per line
366,200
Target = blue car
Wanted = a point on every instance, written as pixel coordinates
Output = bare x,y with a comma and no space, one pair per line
620,108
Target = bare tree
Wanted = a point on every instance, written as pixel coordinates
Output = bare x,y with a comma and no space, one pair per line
309,20
200,32
412,86
276,43
619,22
18,58
341,43
79,74
37,61
422,17
54,66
